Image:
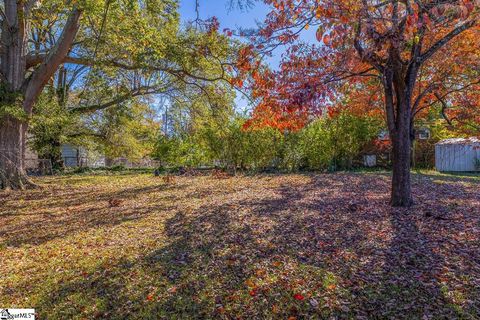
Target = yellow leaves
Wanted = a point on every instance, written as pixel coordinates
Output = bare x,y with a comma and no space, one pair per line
275,309
260,272
142,254
250,283
307,26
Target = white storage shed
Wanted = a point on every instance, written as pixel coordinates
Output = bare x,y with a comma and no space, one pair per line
74,156
458,155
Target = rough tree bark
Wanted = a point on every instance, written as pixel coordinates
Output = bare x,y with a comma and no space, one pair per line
20,87
13,69
397,90
12,173
402,82
401,195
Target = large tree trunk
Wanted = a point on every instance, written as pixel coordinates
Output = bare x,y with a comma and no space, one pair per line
401,136
17,83
12,172
401,185
13,68
399,121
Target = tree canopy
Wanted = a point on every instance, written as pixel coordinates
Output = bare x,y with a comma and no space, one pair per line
101,54
399,57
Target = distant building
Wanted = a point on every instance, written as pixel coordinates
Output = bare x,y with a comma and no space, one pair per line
378,153
423,134
74,156
30,159
458,155
129,163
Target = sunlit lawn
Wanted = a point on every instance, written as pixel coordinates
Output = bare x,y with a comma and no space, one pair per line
248,247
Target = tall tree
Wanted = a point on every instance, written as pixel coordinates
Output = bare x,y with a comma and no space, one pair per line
129,131
20,85
412,54
37,37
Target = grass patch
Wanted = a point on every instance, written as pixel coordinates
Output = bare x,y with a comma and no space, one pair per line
134,246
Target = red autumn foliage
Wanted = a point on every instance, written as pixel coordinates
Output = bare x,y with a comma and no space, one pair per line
333,72
402,59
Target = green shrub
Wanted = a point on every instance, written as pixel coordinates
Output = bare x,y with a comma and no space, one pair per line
333,143
325,144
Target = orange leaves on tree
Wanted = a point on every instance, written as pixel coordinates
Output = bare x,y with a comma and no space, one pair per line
236,82
327,40
315,78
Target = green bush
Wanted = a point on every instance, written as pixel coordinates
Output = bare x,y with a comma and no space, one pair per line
180,151
327,143
334,143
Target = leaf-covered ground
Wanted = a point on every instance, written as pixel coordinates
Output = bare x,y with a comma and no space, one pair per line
262,247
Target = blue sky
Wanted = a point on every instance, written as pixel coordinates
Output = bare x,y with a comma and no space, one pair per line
231,19
228,19
234,19
219,9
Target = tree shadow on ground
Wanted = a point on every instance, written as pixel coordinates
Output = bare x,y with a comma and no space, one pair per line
74,211
331,247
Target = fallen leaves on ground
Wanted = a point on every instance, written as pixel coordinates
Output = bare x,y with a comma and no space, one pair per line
270,246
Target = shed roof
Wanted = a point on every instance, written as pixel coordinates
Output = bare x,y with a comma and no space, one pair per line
457,141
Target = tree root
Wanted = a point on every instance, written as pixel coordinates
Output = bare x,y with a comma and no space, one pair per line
18,181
